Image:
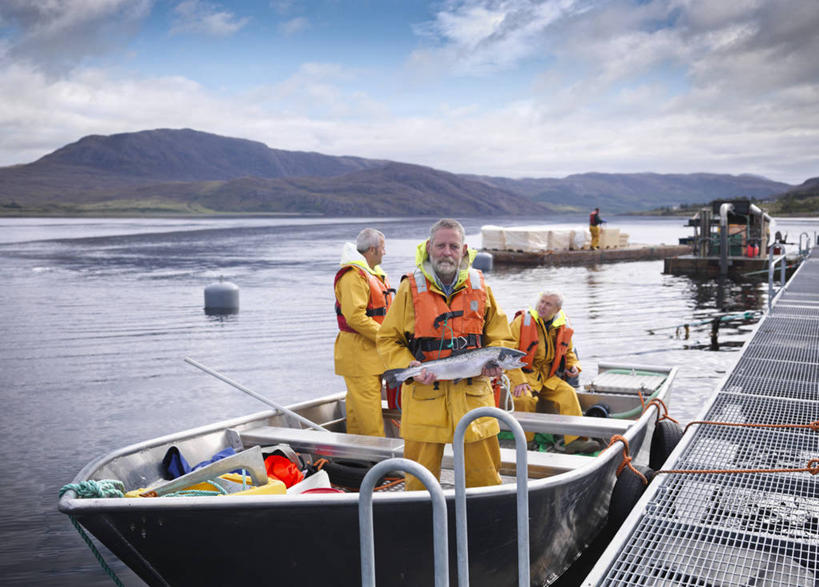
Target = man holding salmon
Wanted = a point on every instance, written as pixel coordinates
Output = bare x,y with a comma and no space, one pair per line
445,307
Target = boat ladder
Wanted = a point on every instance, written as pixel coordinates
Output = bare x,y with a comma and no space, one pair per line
440,532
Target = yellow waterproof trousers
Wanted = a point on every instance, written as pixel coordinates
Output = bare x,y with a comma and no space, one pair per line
563,395
595,236
364,405
481,459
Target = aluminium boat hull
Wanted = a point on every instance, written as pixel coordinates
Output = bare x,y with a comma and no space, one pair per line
314,539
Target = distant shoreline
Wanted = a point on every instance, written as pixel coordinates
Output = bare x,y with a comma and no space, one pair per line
202,215
138,214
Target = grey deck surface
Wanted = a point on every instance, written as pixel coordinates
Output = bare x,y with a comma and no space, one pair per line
750,528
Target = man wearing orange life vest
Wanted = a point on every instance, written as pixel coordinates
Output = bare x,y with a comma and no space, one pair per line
543,333
445,306
363,296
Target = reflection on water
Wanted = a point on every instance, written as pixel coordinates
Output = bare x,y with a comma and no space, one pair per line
98,316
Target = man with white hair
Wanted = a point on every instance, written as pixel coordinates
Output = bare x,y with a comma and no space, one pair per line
543,333
363,296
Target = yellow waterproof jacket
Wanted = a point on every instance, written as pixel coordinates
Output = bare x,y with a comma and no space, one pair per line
544,353
431,412
354,352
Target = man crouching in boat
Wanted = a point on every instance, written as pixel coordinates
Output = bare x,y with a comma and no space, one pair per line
445,306
543,333
363,295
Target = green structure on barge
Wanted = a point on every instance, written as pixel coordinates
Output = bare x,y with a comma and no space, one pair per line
730,238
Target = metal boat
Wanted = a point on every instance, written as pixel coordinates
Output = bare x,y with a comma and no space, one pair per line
313,539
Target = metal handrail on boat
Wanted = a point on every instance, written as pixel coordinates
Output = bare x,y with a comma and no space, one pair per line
365,518
522,470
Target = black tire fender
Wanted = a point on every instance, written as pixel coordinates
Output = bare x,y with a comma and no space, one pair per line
627,491
667,435
347,473
598,411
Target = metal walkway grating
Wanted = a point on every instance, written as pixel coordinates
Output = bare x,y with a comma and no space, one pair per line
746,529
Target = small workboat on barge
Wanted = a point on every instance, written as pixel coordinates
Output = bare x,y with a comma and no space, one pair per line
313,539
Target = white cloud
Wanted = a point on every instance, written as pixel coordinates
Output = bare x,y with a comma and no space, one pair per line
293,26
667,87
194,16
482,36
57,34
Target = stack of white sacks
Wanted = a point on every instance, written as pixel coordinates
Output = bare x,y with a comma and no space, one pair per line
532,239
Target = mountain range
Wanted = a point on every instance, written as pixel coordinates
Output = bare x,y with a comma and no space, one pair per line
192,172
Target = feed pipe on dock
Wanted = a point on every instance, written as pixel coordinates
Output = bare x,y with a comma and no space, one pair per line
723,236
522,475
754,209
806,250
365,518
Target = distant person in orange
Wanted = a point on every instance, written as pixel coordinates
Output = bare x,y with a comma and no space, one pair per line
363,296
594,228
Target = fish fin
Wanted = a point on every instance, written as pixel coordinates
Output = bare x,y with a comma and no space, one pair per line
391,376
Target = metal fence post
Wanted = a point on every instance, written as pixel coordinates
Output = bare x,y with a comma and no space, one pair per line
782,272
770,276
365,518
522,475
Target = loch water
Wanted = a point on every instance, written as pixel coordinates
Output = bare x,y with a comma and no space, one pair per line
98,314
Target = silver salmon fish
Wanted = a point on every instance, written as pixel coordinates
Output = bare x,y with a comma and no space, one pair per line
460,366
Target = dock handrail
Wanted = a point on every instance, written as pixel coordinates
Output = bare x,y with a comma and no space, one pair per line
772,261
522,475
365,518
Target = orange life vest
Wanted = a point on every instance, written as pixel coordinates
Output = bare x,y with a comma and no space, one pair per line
563,340
441,329
529,341
380,297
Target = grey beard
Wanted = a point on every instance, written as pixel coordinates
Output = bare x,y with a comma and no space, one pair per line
446,279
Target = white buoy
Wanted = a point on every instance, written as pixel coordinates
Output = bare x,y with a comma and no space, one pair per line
222,297
483,261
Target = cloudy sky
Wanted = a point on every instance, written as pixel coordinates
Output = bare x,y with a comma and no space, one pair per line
515,88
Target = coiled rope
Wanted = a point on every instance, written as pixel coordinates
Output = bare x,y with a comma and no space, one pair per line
626,458
662,410
92,489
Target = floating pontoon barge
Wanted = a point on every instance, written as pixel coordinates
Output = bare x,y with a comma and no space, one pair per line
587,257
730,238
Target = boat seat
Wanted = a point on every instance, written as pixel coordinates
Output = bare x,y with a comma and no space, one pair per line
572,425
376,448
540,464
331,444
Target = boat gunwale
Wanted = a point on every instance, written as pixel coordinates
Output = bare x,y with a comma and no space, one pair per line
72,505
